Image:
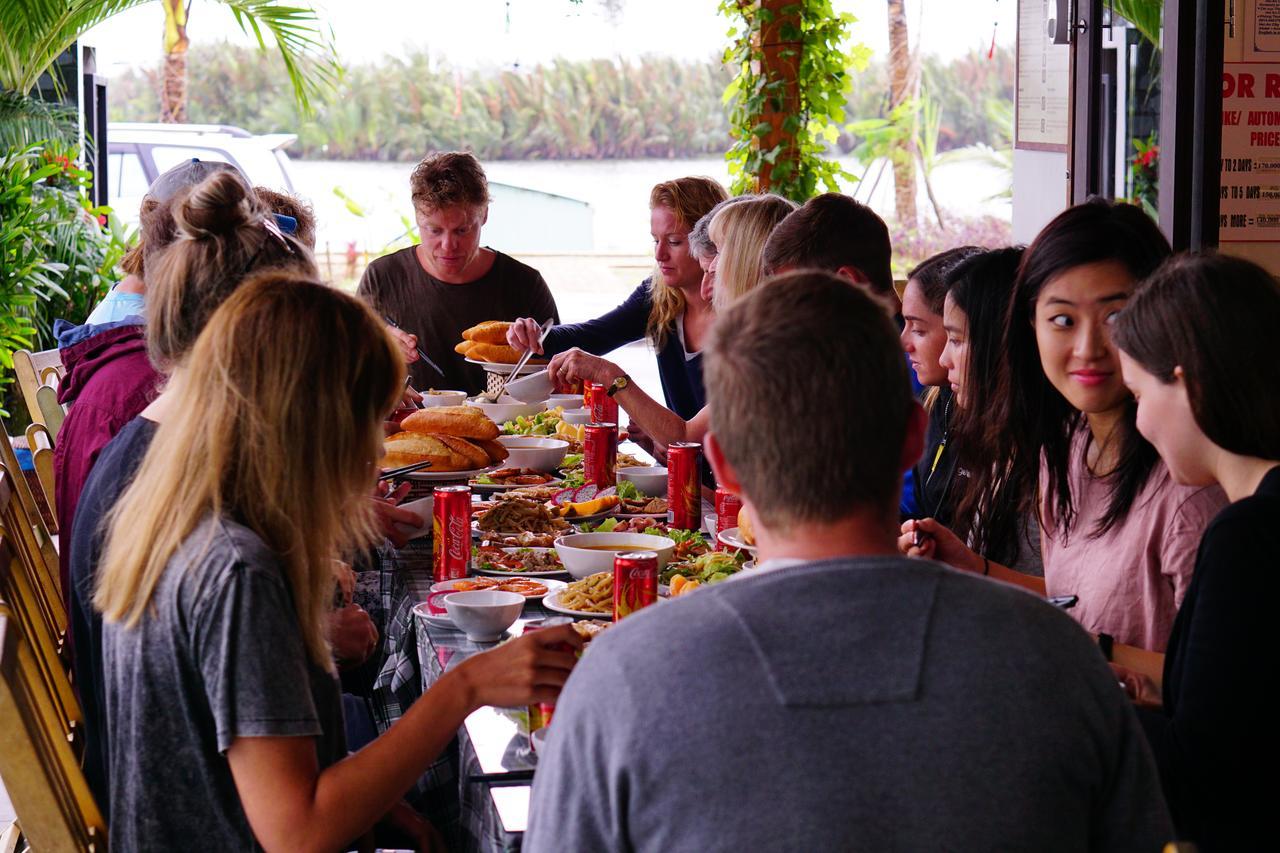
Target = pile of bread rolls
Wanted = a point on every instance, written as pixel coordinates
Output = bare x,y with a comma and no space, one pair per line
488,342
451,438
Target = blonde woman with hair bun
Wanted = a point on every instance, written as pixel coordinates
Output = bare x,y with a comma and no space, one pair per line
738,232
667,308
220,686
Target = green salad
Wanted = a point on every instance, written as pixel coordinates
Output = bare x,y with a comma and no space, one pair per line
711,567
543,423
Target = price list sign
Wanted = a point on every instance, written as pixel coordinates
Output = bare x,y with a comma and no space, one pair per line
1249,209
1043,79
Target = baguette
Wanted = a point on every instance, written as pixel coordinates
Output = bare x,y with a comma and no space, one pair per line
488,332
745,528
409,448
494,353
464,347
460,421
475,455
497,450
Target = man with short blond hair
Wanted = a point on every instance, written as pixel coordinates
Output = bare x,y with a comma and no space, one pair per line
839,696
449,282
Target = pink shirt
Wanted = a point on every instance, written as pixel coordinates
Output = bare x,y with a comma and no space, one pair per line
1131,579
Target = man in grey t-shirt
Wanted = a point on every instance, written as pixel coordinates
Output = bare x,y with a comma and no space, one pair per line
840,696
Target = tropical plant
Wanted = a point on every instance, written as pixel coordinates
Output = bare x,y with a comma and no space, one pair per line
782,127
56,259
1145,15
25,120
36,32
1146,174
904,87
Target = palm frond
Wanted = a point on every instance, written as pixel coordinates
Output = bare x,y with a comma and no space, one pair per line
1143,14
34,32
309,56
25,121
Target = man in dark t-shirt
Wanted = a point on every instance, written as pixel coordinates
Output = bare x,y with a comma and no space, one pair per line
449,282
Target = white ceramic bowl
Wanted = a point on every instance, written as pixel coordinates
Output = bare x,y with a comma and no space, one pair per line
443,398
580,559
651,480
422,507
484,614
531,388
534,451
507,408
568,401
576,416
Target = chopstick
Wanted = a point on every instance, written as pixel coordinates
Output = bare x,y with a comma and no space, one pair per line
404,469
421,353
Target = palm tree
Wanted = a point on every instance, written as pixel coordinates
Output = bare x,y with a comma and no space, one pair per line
903,84
33,33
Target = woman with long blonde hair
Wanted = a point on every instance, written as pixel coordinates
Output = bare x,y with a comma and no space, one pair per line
738,233
667,307
217,578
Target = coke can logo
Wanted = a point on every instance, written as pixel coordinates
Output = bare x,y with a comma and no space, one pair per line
458,537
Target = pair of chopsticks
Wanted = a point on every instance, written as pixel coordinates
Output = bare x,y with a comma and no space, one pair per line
404,469
421,353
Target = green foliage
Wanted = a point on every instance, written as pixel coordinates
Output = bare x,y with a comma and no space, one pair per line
824,81
25,120
1146,174
35,32
1145,15
56,260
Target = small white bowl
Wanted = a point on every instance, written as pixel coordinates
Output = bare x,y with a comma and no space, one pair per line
443,398
422,507
507,408
580,559
576,417
484,614
533,451
531,388
651,480
568,401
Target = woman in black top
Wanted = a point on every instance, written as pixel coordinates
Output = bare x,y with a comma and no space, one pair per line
1197,349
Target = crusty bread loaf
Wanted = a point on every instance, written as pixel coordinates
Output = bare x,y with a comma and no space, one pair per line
494,353
462,421
464,347
745,528
476,457
409,448
497,451
488,332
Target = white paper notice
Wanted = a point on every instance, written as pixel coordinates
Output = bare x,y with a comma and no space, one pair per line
1250,194
1044,80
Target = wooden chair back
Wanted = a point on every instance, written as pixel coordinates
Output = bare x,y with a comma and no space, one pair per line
55,808
52,413
34,541
40,616
34,369
40,443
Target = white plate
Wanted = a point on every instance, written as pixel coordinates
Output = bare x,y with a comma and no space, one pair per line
498,573
551,585
506,369
552,602
429,476
487,489
733,538
439,620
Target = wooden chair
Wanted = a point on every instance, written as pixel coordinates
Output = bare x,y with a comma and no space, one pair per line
40,615
40,443
34,369
55,808
52,413
37,544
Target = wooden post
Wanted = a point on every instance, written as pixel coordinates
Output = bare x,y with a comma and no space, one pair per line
779,66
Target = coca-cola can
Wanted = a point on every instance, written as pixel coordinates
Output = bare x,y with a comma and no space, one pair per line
727,506
604,409
599,453
635,582
451,533
540,713
684,485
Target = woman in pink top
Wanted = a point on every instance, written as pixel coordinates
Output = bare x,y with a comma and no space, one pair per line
1117,532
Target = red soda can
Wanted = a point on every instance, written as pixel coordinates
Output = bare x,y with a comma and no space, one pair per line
599,454
604,409
635,582
684,484
451,533
540,713
727,506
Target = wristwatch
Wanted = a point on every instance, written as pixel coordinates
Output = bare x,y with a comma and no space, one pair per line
618,384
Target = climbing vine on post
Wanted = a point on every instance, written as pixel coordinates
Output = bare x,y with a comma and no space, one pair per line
787,100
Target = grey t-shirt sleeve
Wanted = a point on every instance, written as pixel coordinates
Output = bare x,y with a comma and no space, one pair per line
580,792
252,659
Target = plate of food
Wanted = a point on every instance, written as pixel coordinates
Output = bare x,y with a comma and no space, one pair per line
518,515
533,589
525,562
520,540
711,567
590,597
431,476
734,539
505,369
506,479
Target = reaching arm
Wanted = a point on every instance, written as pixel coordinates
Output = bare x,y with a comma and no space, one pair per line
937,542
